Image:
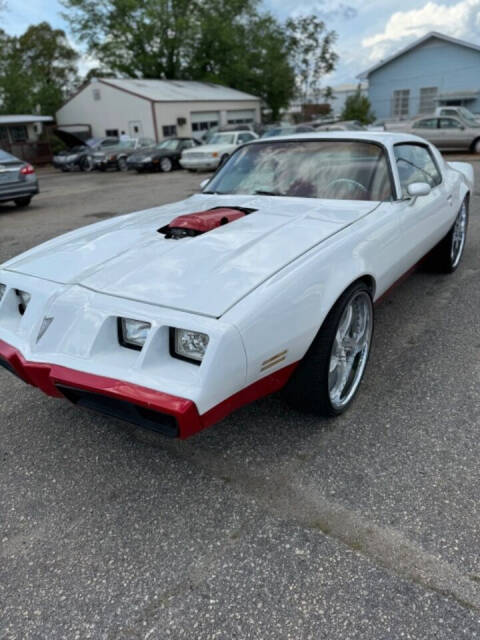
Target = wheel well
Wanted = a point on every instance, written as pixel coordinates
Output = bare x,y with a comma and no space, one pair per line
472,146
369,281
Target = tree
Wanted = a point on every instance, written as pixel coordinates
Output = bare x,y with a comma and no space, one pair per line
311,52
37,70
358,107
223,41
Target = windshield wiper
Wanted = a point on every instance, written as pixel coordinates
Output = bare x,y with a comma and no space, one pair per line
261,192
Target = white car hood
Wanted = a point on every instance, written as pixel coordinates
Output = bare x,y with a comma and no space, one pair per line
207,274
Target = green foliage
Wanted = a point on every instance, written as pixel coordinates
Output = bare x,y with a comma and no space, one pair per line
312,53
224,41
358,107
36,70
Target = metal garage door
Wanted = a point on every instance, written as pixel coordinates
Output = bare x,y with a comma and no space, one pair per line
203,120
241,116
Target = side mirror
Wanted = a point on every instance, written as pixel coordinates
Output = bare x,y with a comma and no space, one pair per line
417,189
204,183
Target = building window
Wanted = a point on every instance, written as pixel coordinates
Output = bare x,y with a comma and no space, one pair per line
204,126
111,133
96,94
427,99
400,103
3,134
19,133
169,130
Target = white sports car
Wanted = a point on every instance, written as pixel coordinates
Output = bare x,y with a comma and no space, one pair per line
173,317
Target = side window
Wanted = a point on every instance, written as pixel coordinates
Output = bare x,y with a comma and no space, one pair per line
416,164
244,137
427,123
450,123
187,144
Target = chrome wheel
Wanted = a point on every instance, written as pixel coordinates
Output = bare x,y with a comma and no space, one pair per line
350,349
459,233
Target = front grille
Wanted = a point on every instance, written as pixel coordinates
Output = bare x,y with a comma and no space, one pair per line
196,156
123,410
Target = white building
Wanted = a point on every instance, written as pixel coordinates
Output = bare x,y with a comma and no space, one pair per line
154,108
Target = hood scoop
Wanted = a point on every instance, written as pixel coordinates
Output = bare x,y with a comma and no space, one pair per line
194,224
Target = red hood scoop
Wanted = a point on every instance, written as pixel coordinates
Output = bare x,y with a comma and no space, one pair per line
194,224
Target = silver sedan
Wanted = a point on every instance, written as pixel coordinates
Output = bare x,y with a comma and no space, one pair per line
18,181
448,133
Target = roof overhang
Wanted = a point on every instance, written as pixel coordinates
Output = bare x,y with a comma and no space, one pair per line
24,119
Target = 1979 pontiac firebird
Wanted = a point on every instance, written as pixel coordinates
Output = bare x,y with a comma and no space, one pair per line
173,317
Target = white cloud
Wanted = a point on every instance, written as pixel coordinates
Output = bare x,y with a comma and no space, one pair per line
461,20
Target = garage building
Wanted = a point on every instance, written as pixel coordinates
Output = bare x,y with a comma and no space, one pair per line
154,108
435,70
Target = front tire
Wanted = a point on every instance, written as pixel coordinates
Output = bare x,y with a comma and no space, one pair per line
122,164
166,165
448,253
327,379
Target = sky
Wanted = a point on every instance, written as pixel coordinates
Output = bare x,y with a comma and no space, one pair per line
368,30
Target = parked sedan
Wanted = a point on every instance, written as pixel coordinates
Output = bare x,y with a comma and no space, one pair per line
18,181
164,156
221,145
116,157
172,318
79,155
449,133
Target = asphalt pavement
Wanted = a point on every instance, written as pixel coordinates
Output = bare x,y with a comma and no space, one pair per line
270,524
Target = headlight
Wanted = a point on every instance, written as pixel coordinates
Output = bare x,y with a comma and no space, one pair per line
188,345
147,159
71,158
24,298
3,288
133,333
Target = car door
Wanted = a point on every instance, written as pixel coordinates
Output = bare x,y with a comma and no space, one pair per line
453,133
427,128
424,218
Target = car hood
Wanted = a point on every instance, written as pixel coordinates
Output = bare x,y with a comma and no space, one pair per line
207,274
209,148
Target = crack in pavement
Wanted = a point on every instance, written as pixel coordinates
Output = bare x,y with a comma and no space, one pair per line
307,506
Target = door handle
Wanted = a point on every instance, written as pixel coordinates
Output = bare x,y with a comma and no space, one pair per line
450,200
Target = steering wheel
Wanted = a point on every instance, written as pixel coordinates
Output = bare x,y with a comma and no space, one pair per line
348,181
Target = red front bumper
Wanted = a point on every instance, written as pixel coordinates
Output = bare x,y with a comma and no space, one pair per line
50,377
132,402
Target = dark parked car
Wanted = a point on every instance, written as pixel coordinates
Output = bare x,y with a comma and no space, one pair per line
164,156
78,155
18,181
116,157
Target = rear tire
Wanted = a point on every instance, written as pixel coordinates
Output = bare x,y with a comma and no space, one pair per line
447,255
476,146
23,202
327,379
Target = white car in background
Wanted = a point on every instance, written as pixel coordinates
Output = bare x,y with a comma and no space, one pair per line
209,156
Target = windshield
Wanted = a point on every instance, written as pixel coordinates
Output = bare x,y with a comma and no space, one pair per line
222,138
468,117
6,157
333,169
126,144
171,145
